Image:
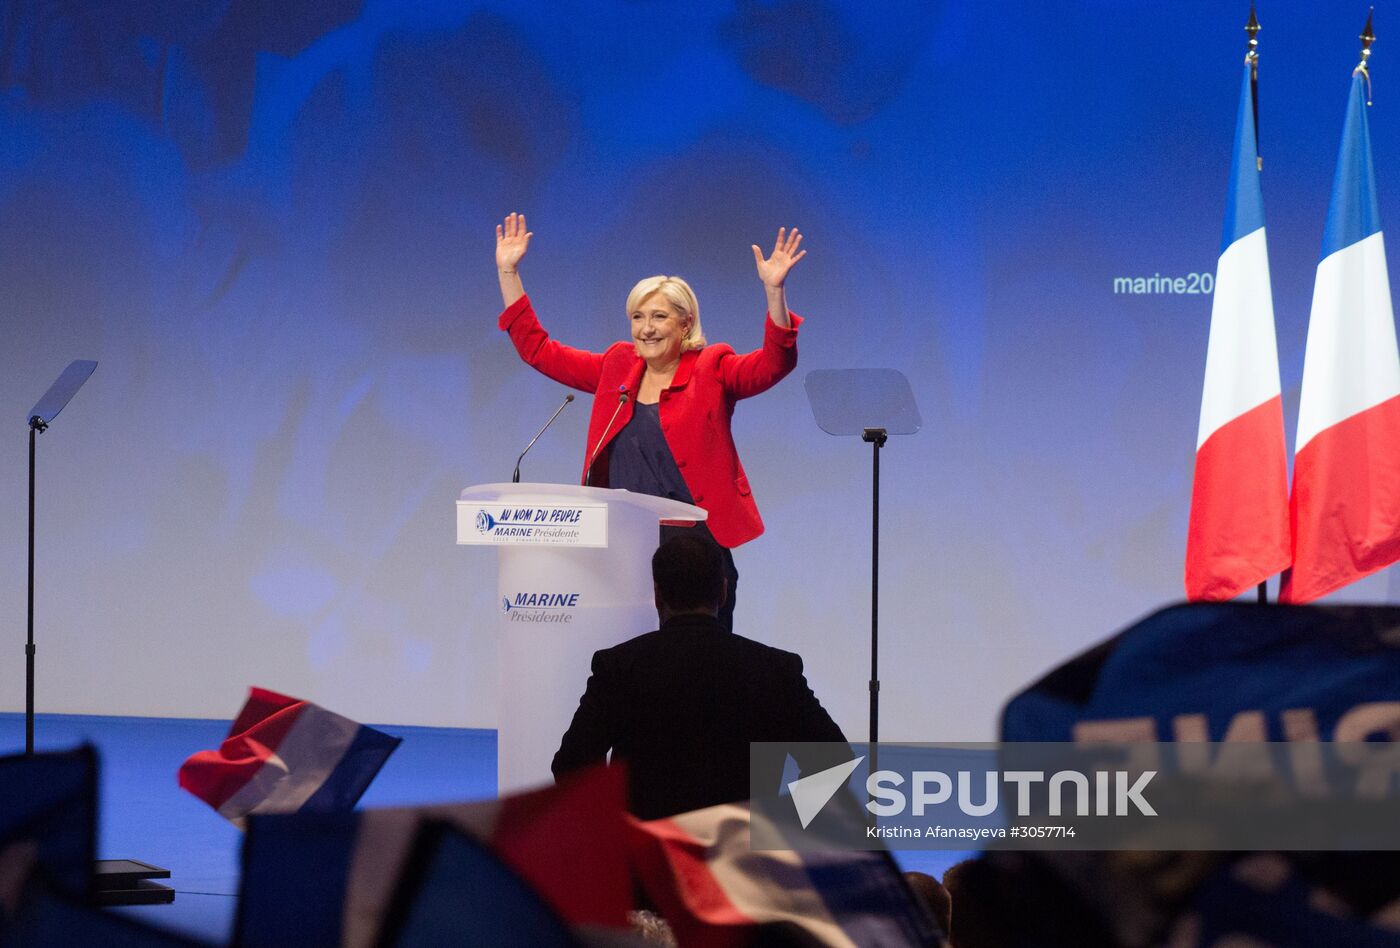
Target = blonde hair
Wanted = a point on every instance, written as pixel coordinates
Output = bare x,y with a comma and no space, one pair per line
680,296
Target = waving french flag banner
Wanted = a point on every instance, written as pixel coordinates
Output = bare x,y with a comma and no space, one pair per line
283,755
716,891
1346,468
1239,532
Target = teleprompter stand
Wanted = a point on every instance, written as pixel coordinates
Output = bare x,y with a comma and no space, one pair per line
115,881
40,417
872,403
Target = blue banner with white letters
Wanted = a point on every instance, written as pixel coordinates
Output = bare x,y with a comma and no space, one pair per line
1225,671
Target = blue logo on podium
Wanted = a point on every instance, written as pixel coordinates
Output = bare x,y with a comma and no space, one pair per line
540,606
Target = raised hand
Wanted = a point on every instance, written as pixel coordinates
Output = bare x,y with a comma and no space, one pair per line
512,240
773,271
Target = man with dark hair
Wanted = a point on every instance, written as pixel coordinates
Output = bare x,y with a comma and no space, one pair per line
688,576
680,705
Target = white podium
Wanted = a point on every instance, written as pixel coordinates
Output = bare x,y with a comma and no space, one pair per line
574,576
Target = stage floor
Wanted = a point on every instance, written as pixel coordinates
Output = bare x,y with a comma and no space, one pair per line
143,813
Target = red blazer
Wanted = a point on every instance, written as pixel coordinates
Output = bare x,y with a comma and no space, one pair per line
695,409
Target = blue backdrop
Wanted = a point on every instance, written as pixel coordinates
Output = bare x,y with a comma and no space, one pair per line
272,223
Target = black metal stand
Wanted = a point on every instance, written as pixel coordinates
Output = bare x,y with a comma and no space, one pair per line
872,403
36,425
59,394
120,881
876,438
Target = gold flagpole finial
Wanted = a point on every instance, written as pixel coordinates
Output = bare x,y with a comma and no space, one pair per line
1367,37
1251,59
1252,28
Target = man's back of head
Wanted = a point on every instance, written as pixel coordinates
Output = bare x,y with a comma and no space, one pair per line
688,576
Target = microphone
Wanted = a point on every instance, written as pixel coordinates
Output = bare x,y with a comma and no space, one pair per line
621,400
515,478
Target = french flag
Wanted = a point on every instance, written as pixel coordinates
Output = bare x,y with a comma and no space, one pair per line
1239,528
715,891
1346,468
330,879
283,755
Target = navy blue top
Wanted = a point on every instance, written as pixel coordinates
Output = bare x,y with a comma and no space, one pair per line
640,460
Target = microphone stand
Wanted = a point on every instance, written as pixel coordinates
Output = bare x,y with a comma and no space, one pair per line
593,455
515,477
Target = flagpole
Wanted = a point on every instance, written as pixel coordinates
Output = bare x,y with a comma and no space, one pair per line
1367,37
1344,478
1252,59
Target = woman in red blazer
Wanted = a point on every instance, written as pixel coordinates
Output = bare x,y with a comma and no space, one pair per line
662,402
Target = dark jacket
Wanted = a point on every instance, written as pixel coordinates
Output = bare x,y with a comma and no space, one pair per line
680,706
